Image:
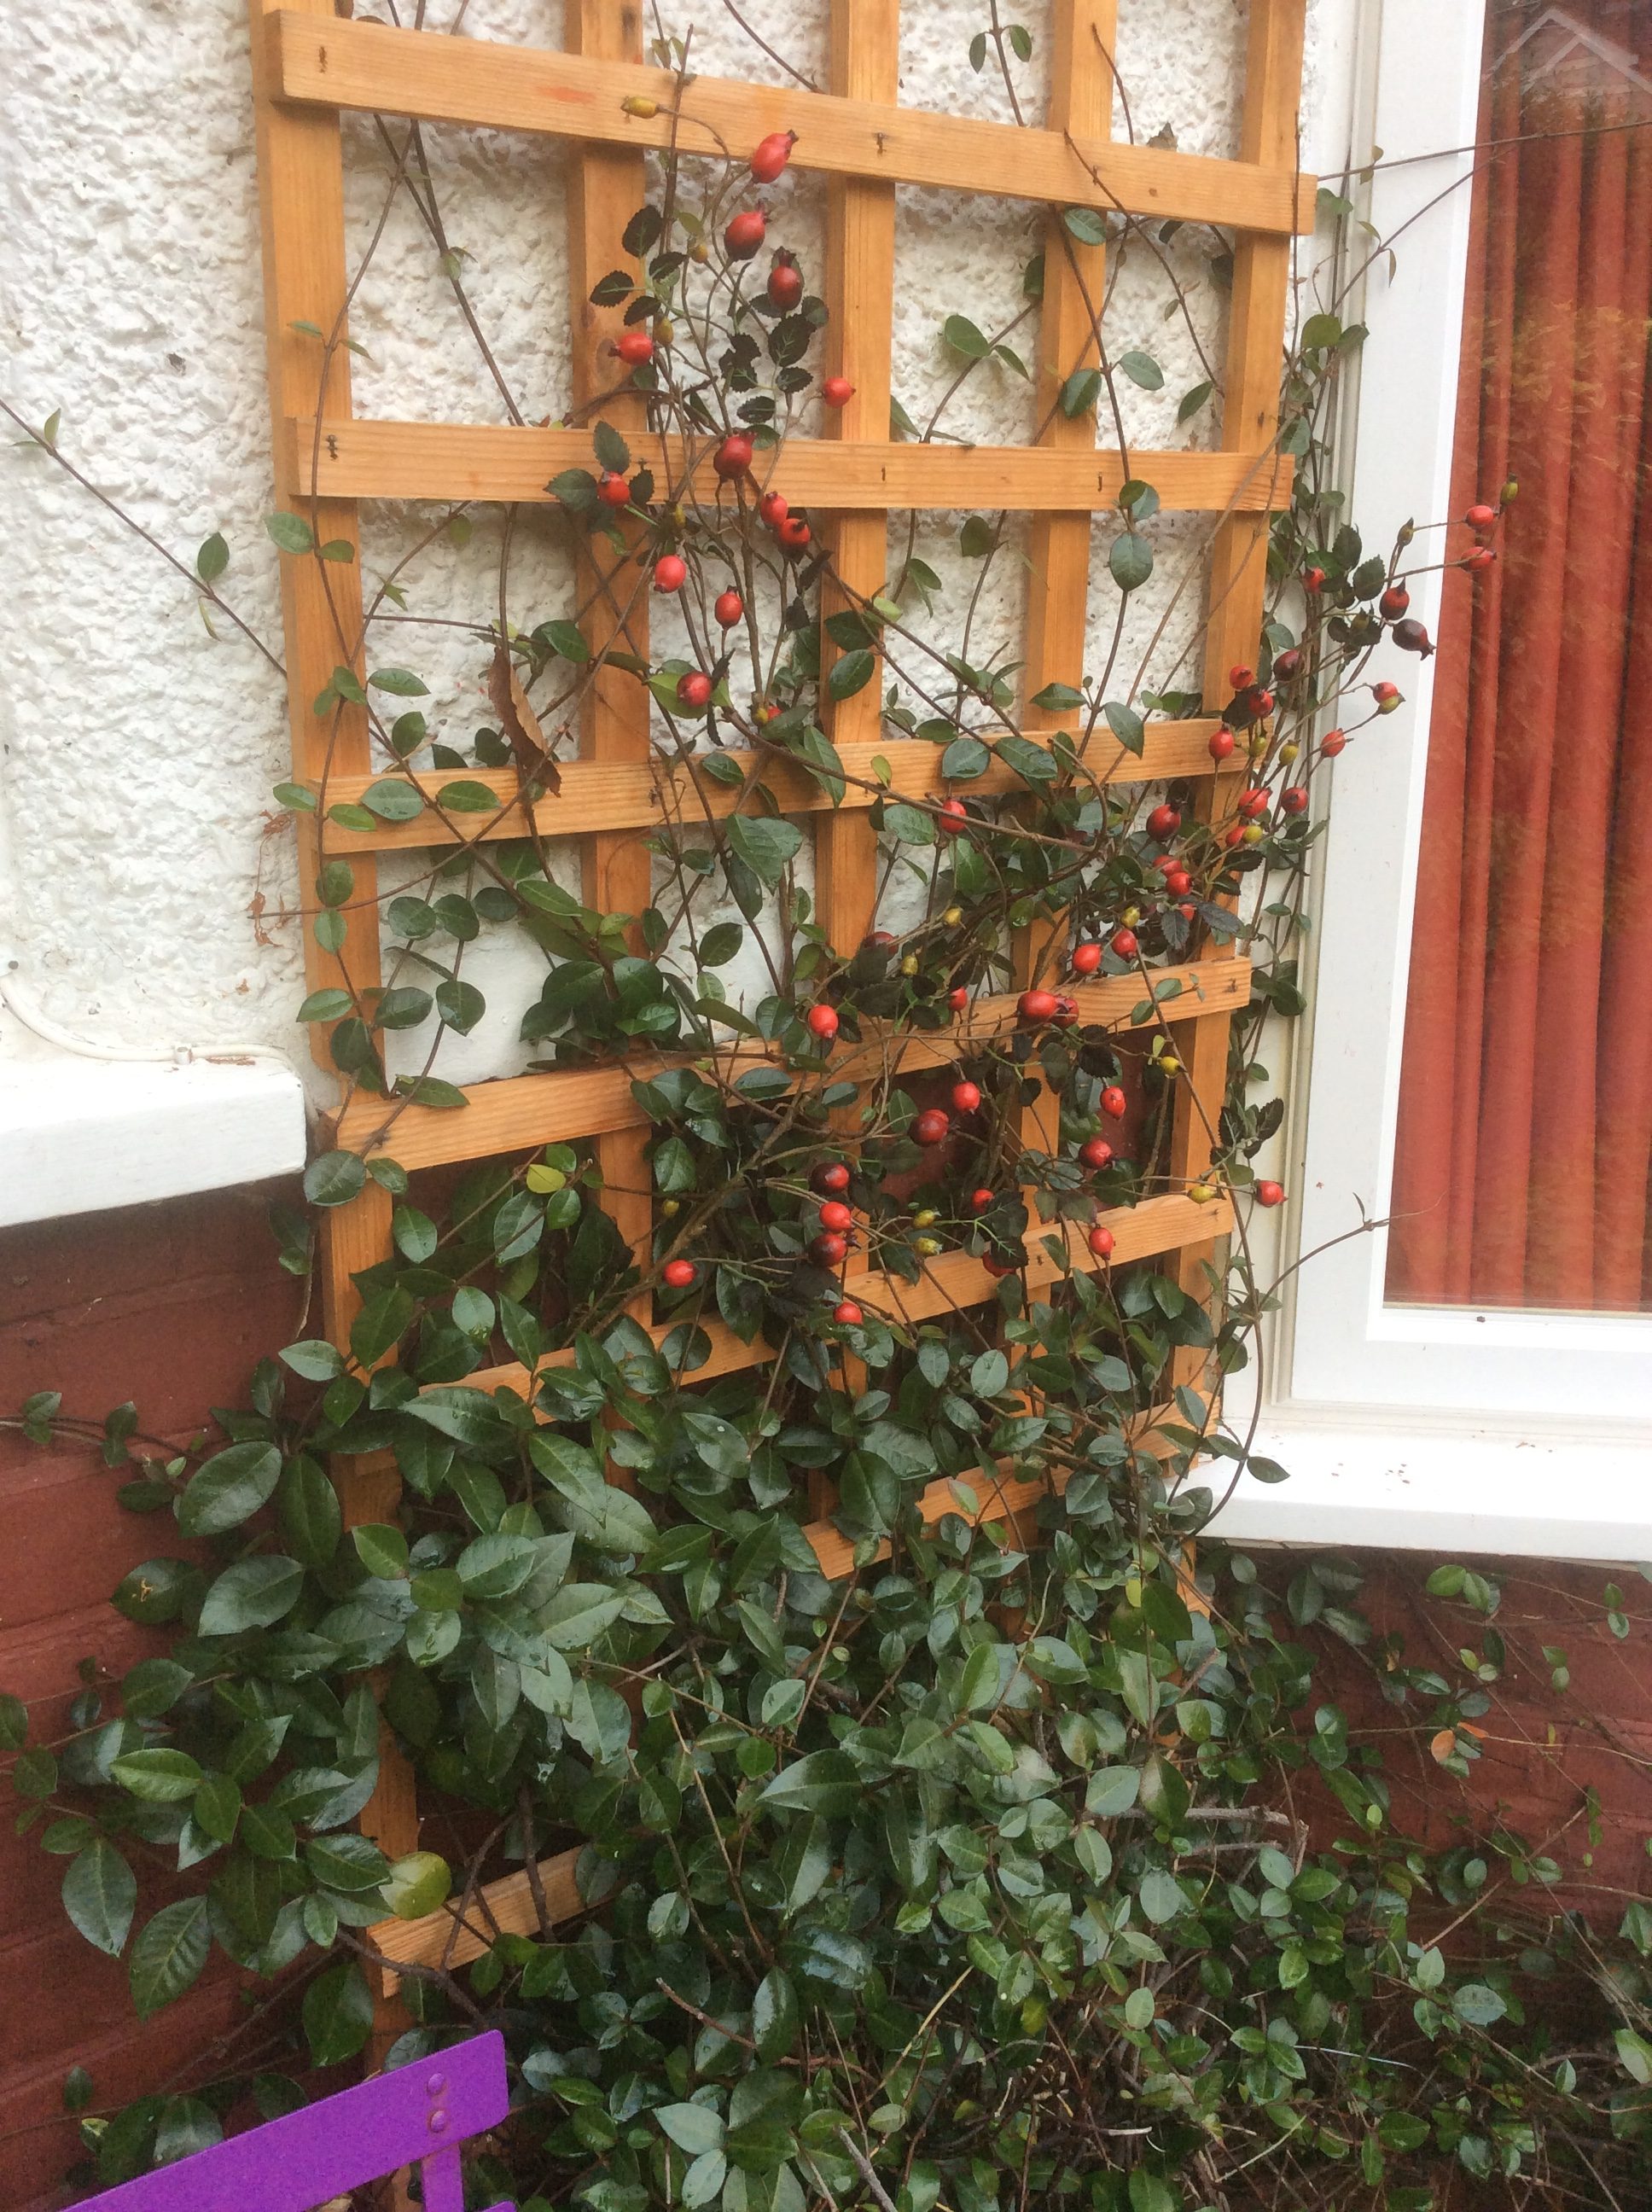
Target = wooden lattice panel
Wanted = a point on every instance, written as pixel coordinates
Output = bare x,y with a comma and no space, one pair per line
309,65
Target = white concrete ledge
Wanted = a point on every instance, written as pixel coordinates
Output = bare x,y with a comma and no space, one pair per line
77,1136
1529,1492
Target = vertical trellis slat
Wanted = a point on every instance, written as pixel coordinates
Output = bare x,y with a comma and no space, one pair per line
1238,571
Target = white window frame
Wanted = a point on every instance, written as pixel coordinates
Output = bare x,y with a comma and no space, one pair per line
1523,1432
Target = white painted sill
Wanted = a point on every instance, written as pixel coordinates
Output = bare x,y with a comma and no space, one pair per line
1362,1477
79,1136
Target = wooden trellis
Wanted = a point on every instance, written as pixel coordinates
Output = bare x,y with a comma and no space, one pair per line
310,65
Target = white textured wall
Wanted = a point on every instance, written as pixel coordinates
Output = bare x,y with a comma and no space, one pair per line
138,751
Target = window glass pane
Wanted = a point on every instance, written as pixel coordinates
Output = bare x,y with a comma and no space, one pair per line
1524,1136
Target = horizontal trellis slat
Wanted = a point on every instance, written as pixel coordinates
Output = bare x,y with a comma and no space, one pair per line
430,77
560,1106
662,794
468,461
948,1284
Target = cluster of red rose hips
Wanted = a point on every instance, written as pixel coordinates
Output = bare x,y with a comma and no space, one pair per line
733,457
1190,868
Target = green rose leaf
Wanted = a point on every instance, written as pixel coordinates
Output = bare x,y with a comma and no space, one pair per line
337,2015
99,1895
765,843
169,1953
159,1776
228,1489
693,2128
253,1594
827,1782
1130,558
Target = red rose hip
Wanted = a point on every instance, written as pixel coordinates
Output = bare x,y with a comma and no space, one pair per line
966,1097
694,689
733,457
1037,1005
834,1215
849,1315
1114,1101
670,573
932,1126
837,392
771,155
1100,1241
680,1274
1269,1193
831,1177
745,234
823,1020
729,609
1086,958
1096,1152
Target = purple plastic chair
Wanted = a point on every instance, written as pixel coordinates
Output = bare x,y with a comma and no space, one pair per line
417,2116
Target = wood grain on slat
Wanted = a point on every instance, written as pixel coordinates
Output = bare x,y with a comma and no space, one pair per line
1238,572
1058,570
302,198
368,67
610,184
1069,342
860,292
561,1106
449,461
625,795
301,204
452,1937
1058,591
859,273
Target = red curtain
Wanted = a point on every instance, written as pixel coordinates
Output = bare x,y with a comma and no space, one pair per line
1523,1169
